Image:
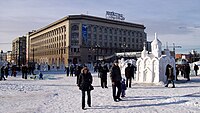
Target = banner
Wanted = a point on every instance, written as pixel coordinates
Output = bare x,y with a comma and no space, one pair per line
84,34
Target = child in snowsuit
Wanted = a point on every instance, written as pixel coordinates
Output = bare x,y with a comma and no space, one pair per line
123,87
40,75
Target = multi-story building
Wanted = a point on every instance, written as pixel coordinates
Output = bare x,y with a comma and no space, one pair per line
83,39
19,50
9,56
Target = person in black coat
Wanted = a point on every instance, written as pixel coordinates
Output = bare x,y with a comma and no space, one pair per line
67,70
196,68
6,71
24,71
170,75
2,73
85,85
187,72
103,75
129,72
115,75
77,72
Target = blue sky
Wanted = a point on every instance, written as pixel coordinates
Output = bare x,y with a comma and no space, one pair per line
175,21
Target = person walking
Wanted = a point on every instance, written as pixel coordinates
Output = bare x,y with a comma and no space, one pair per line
196,68
103,75
187,72
177,72
24,71
85,85
6,71
78,72
133,70
115,75
67,70
170,75
128,74
71,70
2,73
123,88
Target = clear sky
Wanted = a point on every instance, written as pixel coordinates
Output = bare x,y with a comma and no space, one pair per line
175,21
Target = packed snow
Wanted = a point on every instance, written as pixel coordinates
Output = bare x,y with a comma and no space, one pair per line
57,93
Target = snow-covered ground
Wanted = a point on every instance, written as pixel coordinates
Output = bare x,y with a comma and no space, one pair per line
60,94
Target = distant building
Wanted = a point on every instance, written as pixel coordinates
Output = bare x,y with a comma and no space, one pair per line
9,56
84,39
19,50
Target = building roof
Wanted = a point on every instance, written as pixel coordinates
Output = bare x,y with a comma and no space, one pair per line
91,18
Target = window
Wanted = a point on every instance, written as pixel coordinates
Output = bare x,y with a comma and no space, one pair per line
124,32
105,38
74,27
115,31
110,30
105,44
120,38
136,40
95,37
100,29
105,30
124,39
133,33
100,37
133,46
74,35
129,39
115,44
133,40
111,45
110,38
115,39
120,32
129,33
89,36
95,29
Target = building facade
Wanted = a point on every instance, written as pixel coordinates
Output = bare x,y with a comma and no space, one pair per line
19,51
84,39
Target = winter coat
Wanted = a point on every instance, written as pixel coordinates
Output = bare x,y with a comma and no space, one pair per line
196,68
129,72
169,73
103,71
85,82
115,74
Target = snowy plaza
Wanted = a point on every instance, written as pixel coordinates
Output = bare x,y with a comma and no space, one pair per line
57,93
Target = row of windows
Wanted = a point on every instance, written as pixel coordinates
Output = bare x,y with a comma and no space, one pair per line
50,52
110,30
57,34
50,46
115,45
115,38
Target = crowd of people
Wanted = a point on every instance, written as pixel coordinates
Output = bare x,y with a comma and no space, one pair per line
84,77
119,84
25,70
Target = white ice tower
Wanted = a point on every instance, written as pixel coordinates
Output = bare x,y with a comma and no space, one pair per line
156,47
151,67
